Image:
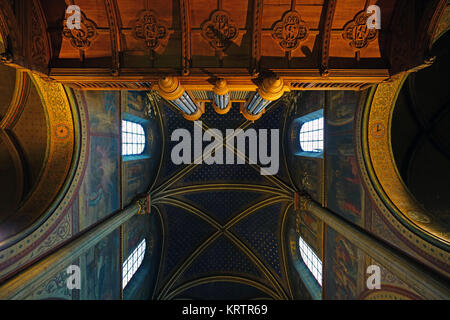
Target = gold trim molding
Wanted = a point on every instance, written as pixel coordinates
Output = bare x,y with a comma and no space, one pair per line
381,177
382,159
78,147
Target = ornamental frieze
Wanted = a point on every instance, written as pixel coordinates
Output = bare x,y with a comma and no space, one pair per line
357,32
148,28
290,31
219,30
83,37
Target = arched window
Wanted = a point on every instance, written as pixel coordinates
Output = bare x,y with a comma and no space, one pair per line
311,135
311,260
132,264
133,138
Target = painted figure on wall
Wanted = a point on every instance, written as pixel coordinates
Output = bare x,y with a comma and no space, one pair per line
341,107
345,194
341,267
99,195
345,268
102,269
103,108
137,100
101,184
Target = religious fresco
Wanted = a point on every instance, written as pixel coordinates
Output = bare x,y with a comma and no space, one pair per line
341,106
344,193
136,174
308,175
345,196
343,261
99,194
135,101
103,109
311,230
101,273
134,230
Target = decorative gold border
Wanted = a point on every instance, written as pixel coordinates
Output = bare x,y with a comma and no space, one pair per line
60,146
78,115
374,153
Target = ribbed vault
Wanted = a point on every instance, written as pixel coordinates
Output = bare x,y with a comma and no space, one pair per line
222,223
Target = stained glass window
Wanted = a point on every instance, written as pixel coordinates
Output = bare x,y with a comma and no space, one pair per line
132,264
311,260
133,138
311,135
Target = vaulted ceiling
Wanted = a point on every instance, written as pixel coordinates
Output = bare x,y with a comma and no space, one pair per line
222,223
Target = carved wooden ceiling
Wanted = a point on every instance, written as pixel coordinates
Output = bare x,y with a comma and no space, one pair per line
131,43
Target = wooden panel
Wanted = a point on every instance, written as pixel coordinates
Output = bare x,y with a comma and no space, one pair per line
101,47
305,55
129,10
346,11
237,52
94,10
136,51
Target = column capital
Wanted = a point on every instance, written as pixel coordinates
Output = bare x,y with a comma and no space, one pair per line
170,88
271,88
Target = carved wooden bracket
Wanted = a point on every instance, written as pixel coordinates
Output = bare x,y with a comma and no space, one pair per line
290,31
358,33
81,38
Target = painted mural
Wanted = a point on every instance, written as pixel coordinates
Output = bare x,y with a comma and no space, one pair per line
343,261
345,195
101,273
310,229
54,289
341,107
99,192
136,229
103,109
135,101
136,174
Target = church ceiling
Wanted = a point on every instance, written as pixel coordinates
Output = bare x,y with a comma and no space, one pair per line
312,44
222,222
